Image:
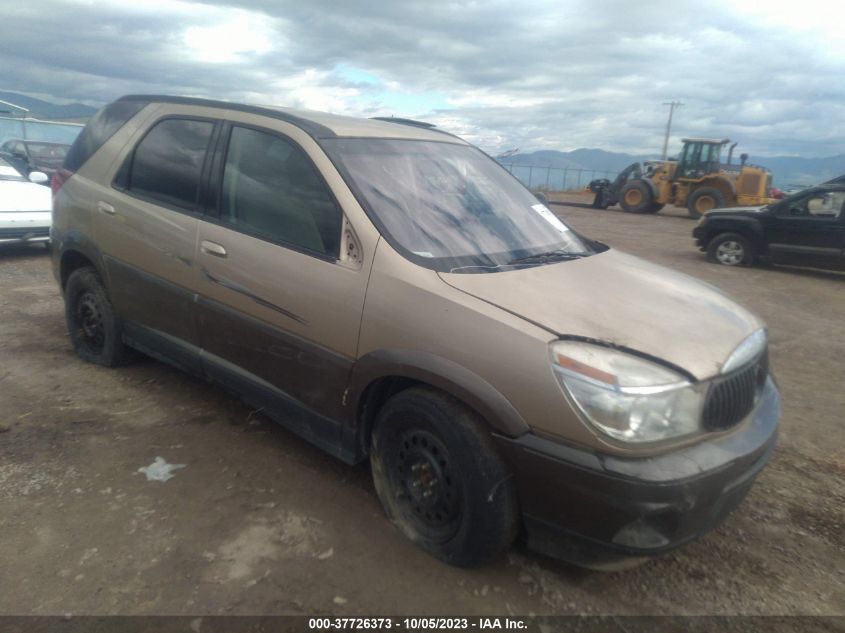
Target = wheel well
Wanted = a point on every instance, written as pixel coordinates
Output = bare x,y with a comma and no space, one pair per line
72,260
722,186
376,394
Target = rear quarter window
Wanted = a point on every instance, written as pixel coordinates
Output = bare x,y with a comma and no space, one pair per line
100,129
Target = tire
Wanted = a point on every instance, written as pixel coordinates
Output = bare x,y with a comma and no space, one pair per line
440,480
703,200
94,328
730,249
636,197
655,207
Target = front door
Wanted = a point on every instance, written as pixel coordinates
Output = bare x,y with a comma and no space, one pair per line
279,313
809,229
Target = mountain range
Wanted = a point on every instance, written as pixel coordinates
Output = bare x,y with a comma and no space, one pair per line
786,170
40,109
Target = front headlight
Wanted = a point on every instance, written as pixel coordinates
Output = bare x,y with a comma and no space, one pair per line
627,397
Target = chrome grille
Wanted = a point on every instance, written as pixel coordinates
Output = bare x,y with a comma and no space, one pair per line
732,397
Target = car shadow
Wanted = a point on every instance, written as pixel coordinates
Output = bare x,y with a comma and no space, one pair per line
12,251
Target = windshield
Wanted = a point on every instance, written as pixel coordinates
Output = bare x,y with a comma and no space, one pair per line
450,207
47,150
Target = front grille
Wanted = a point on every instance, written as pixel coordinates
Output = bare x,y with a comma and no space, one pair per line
732,397
749,185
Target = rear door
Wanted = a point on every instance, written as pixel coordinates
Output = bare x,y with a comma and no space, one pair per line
808,229
147,224
279,311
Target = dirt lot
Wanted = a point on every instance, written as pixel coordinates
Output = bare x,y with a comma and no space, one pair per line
259,522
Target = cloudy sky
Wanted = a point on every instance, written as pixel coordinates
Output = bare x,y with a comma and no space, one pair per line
558,74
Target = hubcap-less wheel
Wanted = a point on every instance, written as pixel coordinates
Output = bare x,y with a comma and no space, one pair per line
633,197
90,321
705,204
730,253
429,496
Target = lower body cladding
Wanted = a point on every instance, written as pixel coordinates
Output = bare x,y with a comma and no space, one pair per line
602,510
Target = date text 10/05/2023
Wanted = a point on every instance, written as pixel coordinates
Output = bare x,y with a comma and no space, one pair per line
417,623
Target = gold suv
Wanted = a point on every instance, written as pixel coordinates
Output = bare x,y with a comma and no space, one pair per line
390,293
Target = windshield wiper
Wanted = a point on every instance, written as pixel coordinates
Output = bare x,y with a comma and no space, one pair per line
547,256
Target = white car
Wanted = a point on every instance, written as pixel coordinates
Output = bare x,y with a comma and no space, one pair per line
25,206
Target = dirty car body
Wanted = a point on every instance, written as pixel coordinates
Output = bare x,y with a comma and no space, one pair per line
390,293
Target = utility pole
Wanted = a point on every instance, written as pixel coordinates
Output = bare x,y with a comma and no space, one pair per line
672,105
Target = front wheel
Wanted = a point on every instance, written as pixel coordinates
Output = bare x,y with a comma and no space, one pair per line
440,480
636,197
703,200
730,249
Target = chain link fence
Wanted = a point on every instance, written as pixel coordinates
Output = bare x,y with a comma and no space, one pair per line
540,178
36,130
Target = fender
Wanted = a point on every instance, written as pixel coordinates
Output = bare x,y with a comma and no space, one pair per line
76,241
748,226
718,183
652,187
438,372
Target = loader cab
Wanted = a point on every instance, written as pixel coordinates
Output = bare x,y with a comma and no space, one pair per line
699,157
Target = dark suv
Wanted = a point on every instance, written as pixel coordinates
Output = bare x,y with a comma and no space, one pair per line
805,229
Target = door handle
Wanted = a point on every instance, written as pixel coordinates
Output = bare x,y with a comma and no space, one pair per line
105,207
212,248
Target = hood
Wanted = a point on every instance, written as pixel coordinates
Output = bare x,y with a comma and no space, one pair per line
735,210
624,300
24,196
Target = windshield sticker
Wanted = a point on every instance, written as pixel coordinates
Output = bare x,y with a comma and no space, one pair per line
550,217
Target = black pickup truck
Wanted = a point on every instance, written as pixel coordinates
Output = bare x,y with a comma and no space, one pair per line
804,229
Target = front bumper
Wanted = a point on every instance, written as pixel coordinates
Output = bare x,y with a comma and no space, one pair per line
593,509
699,234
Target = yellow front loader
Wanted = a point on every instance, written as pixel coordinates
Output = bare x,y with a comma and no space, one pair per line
698,180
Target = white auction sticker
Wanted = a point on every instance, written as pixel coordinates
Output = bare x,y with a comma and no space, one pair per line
550,217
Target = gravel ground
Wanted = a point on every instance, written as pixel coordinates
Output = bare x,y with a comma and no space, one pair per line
256,521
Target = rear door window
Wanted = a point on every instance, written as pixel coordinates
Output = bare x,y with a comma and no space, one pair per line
272,190
166,165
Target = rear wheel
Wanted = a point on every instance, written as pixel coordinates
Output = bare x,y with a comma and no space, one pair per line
636,197
730,249
655,207
703,200
94,328
440,480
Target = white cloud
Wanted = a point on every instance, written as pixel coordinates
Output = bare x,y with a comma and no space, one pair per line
535,74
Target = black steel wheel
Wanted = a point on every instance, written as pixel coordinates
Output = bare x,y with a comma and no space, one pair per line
94,328
440,479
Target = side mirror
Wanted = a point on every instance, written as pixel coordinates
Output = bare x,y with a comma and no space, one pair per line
38,177
542,197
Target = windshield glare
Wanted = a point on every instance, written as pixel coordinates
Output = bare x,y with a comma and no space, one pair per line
449,207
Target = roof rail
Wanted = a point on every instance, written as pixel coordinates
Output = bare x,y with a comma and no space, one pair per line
401,121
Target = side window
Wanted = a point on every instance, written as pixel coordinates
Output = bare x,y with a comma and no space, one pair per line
818,204
272,189
167,163
100,129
